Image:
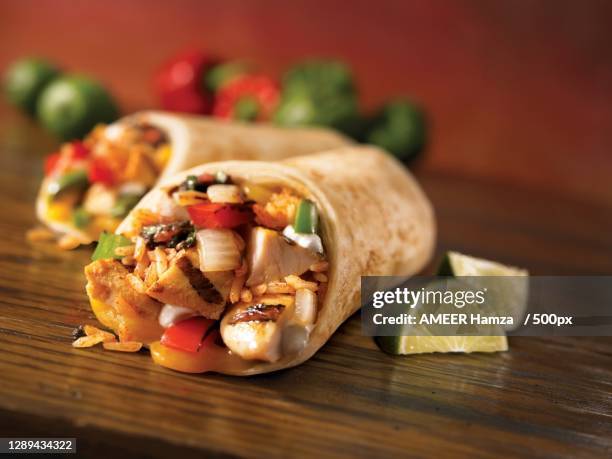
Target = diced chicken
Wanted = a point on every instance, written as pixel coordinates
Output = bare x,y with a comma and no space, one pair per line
118,305
99,199
254,330
182,284
271,257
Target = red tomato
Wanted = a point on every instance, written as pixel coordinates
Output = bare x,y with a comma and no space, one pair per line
51,162
180,86
188,334
214,215
99,172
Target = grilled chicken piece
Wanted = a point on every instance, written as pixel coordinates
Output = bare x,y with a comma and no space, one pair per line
131,314
184,285
254,330
271,257
99,199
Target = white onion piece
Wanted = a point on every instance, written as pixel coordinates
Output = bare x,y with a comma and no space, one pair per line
295,338
218,250
132,188
170,314
305,307
229,194
114,132
308,241
166,207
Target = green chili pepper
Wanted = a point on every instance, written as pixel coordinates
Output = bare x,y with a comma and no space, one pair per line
125,203
81,218
72,180
306,218
400,128
107,245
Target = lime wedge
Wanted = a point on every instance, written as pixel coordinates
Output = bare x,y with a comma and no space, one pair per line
457,264
509,295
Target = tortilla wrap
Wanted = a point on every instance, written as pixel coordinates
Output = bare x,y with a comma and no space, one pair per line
197,140
376,220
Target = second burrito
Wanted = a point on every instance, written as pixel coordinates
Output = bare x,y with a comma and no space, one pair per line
245,267
90,186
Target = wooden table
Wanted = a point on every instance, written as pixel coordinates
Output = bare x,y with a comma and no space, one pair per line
545,397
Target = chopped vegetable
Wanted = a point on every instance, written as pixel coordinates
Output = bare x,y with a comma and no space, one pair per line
171,314
169,235
99,172
125,203
214,215
74,180
51,162
308,241
306,218
107,245
258,193
188,334
247,98
81,218
305,306
229,194
218,250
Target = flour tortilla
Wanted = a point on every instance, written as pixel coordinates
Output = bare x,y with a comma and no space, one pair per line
375,220
197,140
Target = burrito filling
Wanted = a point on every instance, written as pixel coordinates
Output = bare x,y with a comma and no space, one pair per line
230,274
91,185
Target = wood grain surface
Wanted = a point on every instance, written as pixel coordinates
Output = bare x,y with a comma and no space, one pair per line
545,397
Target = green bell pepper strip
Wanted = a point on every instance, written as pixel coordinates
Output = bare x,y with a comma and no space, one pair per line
124,203
306,218
81,218
76,179
107,244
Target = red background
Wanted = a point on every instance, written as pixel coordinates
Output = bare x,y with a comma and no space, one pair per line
519,92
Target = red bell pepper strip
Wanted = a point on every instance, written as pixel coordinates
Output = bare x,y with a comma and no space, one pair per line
99,172
248,98
51,162
214,215
78,150
188,334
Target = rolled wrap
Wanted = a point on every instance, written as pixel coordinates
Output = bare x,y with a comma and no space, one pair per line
197,140
375,220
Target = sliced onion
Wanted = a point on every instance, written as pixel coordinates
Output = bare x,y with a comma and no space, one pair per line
308,241
218,250
224,194
305,307
170,314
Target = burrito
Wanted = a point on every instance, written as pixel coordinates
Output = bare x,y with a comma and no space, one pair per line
247,267
90,186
